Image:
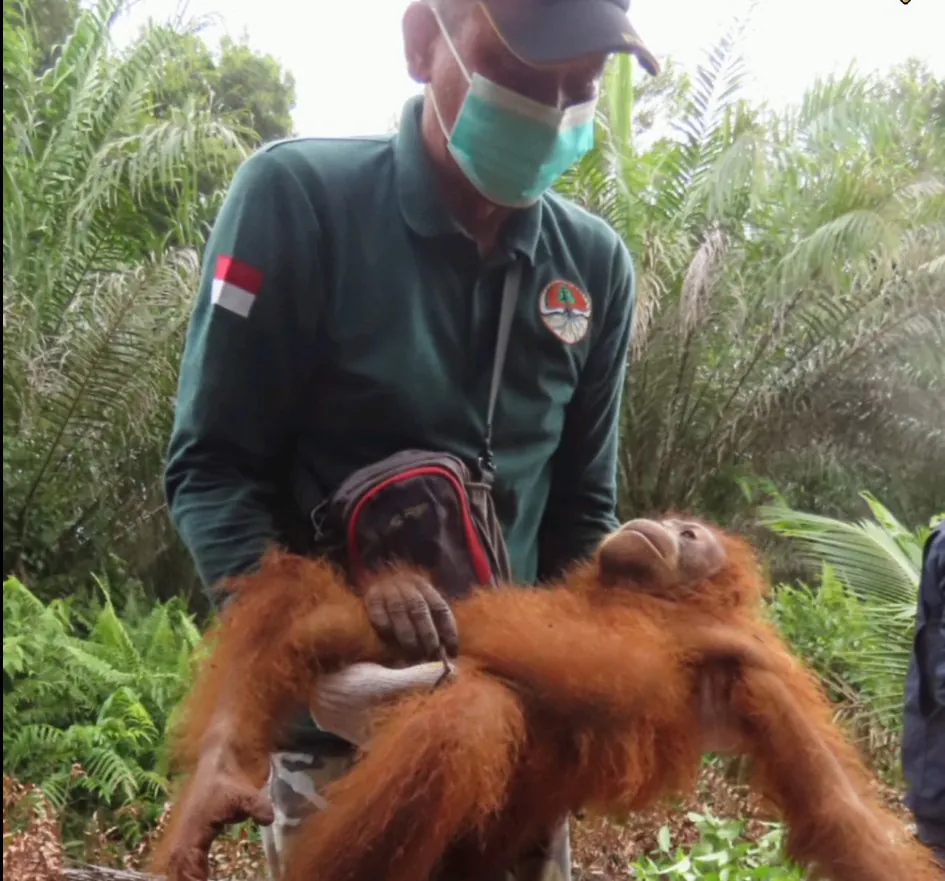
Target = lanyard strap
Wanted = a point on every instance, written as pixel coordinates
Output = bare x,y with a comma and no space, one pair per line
510,289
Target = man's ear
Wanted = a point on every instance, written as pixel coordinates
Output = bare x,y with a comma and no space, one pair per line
420,31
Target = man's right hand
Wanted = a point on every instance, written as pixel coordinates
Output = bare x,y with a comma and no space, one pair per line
219,794
410,611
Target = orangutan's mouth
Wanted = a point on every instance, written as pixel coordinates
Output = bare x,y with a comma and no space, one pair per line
657,551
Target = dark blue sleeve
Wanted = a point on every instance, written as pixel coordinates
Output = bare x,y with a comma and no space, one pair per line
933,586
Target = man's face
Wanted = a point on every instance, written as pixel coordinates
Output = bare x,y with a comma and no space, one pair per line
482,51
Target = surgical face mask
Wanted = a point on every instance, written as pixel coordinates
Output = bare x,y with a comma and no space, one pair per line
510,147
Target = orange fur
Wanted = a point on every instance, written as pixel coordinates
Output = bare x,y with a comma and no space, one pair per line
570,696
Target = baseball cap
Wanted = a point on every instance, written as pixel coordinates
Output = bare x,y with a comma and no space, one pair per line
555,31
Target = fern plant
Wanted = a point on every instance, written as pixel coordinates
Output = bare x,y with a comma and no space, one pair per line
88,696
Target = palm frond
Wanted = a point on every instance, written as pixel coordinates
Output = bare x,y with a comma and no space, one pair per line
779,266
98,195
878,563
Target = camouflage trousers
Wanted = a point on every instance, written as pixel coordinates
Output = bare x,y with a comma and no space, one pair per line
295,782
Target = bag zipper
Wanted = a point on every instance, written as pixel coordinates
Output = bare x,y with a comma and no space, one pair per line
477,551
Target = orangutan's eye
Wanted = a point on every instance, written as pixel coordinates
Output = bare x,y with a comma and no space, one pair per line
688,533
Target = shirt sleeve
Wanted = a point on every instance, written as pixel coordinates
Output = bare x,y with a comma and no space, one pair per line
934,573
244,368
582,503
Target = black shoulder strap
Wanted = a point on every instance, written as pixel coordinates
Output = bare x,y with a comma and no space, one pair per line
510,289
309,495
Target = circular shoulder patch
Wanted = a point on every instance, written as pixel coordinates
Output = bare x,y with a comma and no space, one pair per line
566,311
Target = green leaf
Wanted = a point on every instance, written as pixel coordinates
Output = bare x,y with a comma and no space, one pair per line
663,839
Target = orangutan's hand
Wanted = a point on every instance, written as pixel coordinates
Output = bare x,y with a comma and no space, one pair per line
721,731
410,611
221,794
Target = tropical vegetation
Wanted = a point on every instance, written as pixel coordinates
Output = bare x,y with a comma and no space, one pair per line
787,372
791,285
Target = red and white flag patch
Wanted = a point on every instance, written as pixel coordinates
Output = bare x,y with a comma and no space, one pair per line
235,285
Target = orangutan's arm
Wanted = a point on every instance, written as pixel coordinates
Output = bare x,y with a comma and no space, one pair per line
820,784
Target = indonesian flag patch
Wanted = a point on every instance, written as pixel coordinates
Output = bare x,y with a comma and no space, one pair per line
235,285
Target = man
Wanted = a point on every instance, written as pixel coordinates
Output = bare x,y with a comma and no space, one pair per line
924,724
348,310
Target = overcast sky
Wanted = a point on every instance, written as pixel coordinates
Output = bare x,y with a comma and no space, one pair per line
346,55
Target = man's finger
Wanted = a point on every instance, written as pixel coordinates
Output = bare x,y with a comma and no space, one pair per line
442,618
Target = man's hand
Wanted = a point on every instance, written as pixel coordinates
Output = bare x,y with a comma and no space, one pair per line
409,610
220,794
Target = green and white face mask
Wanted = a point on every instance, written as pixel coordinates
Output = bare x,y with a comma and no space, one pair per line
510,147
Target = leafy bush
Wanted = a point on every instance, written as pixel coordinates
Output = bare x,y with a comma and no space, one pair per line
828,628
87,698
877,561
824,625
722,853
102,217
789,318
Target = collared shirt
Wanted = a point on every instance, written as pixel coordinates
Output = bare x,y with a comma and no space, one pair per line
343,315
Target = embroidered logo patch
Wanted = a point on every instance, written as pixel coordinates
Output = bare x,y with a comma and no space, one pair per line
566,311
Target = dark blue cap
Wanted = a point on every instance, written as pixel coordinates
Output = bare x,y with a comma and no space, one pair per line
556,31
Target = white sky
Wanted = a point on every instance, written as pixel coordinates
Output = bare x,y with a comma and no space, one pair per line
346,55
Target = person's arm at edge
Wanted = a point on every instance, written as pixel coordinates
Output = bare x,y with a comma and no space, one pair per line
935,572
242,376
582,504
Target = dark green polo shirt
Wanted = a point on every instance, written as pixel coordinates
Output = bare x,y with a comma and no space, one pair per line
342,316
